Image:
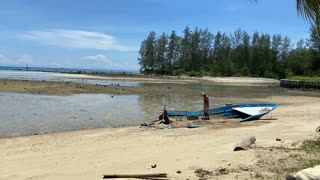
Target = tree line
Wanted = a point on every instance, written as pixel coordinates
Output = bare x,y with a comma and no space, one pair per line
200,52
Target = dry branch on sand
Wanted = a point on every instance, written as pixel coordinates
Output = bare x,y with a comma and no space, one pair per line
245,144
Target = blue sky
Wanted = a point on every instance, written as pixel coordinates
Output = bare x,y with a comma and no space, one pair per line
106,34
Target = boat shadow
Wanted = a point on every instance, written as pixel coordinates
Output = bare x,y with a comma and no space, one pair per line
268,119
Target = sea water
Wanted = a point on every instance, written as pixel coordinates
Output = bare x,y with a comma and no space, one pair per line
61,77
27,114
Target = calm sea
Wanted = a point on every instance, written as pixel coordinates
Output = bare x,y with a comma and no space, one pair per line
63,70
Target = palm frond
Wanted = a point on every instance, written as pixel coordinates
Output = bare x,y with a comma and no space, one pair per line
309,10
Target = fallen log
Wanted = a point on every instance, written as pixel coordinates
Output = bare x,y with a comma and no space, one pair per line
141,176
245,144
318,129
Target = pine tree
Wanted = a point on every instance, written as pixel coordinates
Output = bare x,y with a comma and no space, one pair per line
161,62
173,50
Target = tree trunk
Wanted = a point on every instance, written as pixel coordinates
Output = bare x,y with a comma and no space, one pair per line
245,144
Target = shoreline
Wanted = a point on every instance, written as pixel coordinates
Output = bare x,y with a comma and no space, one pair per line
142,77
217,123
87,154
69,88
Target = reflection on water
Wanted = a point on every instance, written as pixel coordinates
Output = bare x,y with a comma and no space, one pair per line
25,114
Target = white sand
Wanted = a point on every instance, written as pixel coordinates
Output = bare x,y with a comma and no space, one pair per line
241,80
182,79
88,154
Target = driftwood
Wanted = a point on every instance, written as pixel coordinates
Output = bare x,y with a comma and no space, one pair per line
164,117
141,176
245,144
318,129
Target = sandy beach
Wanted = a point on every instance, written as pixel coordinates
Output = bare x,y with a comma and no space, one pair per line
88,154
159,90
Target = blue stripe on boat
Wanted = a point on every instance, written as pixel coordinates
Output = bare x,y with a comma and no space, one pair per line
228,111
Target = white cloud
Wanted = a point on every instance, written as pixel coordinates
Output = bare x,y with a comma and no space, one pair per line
20,60
25,59
3,59
98,57
55,65
76,39
101,61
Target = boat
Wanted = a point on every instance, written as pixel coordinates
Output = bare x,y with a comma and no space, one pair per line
247,112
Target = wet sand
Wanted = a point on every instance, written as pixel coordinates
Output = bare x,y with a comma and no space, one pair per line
88,154
68,88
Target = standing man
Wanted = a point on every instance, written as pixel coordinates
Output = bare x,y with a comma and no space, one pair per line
205,106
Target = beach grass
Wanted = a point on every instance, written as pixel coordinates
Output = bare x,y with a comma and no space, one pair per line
304,78
290,160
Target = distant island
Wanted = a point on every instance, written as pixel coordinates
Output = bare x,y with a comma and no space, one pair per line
102,72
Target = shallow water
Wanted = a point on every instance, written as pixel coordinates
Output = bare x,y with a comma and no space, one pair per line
54,76
26,114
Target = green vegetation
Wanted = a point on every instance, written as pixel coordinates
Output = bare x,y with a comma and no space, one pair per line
311,146
309,10
303,78
199,53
